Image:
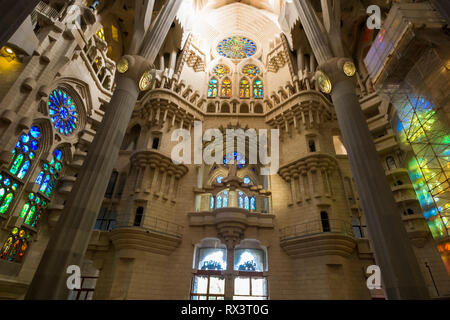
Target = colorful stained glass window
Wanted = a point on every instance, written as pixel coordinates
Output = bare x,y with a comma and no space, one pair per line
226,88
422,126
31,211
258,91
15,245
244,89
251,70
7,192
221,70
24,152
50,173
235,157
63,112
213,88
236,47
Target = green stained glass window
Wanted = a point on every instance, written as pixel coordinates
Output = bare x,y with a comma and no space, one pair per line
50,173
31,210
258,91
236,47
213,88
7,192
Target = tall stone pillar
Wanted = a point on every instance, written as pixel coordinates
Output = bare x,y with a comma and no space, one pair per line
401,275
70,240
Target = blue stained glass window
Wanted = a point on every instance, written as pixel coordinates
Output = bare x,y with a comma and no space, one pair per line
246,203
235,157
211,202
22,154
219,179
219,202
247,180
63,112
213,88
50,173
252,203
24,169
40,177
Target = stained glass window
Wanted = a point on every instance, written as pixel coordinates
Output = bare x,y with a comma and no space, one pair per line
213,88
249,260
252,203
7,192
247,180
211,202
221,70
212,259
258,91
244,89
226,88
31,211
235,157
24,152
251,70
236,47
222,199
63,112
16,245
50,173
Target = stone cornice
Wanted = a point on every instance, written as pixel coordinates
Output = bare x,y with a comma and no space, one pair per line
157,160
314,161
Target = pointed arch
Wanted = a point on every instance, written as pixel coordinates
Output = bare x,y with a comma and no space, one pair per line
226,88
258,89
244,88
213,88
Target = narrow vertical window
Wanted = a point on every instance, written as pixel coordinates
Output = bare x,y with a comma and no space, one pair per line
258,91
25,152
325,221
213,88
244,90
138,217
226,88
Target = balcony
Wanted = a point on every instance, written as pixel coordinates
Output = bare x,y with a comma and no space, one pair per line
156,236
318,238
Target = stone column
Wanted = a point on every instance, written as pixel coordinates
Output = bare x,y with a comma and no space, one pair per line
402,277
69,242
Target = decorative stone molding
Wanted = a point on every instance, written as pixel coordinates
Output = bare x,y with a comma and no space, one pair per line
322,244
131,241
231,222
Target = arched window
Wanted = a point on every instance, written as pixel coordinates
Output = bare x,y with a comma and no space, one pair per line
222,199
25,152
211,202
138,217
258,109
258,91
211,108
16,245
213,88
210,260
244,108
226,88
225,108
50,173
390,162
31,211
312,145
7,193
219,179
244,89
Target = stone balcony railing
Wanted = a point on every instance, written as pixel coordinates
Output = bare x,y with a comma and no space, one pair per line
318,238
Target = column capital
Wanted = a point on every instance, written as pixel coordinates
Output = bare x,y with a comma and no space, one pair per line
335,70
134,67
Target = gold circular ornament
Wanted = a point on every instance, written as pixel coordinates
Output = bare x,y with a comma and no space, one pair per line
122,65
146,81
349,68
324,82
